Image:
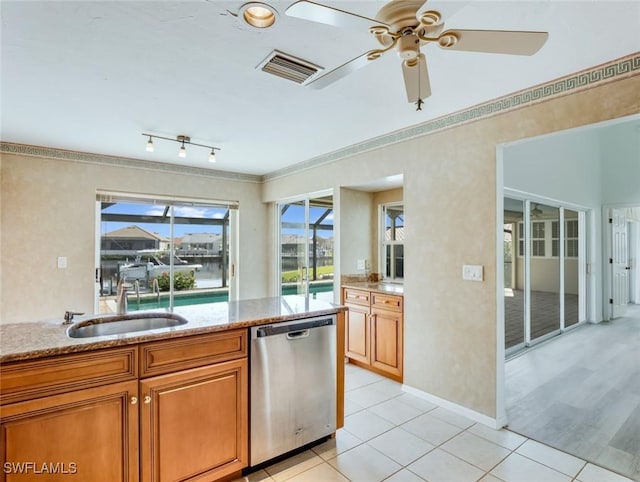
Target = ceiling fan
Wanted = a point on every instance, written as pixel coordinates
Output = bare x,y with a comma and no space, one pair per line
406,25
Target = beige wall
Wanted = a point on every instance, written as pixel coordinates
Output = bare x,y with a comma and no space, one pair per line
450,188
48,210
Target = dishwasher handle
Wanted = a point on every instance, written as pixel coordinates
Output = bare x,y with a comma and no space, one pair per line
294,335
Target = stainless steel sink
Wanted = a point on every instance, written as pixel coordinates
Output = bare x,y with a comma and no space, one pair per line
119,324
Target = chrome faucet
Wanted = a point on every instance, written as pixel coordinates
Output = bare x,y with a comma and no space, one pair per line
68,316
121,296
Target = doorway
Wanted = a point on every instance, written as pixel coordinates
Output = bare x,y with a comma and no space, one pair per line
306,246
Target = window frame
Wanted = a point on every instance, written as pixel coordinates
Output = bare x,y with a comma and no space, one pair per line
391,244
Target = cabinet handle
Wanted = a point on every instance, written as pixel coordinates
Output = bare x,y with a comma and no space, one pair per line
134,400
147,399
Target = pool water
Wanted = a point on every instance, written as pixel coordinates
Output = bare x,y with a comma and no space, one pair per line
199,298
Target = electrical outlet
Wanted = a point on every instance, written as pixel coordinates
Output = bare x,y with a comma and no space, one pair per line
472,272
62,262
361,264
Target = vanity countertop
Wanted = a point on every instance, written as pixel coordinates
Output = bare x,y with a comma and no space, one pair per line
24,341
389,288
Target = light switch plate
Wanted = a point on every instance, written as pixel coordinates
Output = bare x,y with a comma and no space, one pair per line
472,272
361,264
62,262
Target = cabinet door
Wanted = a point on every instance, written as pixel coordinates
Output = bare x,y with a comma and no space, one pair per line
386,344
357,333
92,433
194,423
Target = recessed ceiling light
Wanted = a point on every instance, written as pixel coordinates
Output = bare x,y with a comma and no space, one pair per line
258,14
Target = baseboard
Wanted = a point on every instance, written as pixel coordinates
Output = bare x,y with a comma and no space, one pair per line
454,407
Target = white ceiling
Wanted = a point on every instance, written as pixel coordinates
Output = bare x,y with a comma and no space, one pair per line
93,75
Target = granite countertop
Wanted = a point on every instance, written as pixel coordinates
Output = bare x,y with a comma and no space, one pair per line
389,288
24,341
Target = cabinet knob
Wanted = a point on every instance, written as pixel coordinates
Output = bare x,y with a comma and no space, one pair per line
134,400
147,399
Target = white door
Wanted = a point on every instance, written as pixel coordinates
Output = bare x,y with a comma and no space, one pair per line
619,263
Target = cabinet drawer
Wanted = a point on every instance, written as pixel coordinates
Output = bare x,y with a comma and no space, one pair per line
386,302
356,296
25,380
161,357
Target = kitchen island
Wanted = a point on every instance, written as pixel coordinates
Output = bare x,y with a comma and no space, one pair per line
164,404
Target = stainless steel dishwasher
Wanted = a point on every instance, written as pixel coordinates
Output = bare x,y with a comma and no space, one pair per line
293,385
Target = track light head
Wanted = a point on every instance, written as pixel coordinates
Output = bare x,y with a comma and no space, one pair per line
150,144
212,155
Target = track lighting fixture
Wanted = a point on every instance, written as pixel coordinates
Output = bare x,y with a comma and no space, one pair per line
182,140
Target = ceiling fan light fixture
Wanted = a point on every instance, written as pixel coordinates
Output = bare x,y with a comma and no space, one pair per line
258,14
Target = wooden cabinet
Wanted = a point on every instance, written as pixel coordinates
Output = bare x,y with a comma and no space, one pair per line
375,331
194,422
89,432
89,414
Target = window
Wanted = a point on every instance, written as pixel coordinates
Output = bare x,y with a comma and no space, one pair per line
571,238
537,238
392,242
166,249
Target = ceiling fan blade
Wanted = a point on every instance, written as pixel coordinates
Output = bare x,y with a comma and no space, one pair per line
340,72
316,12
416,79
493,41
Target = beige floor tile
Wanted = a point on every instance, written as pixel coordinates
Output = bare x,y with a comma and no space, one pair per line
562,462
367,396
490,478
388,387
357,377
476,450
395,411
401,446
440,466
516,468
593,473
365,425
404,476
342,442
320,473
507,439
416,402
259,476
431,429
451,417
351,407
293,466
364,464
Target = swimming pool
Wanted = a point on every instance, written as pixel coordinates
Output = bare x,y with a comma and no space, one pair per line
217,296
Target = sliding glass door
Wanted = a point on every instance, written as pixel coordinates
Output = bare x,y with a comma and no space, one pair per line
306,246
544,270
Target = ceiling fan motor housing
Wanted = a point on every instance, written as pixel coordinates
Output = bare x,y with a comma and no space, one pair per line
408,46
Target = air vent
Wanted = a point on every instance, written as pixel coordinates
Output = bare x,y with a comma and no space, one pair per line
288,67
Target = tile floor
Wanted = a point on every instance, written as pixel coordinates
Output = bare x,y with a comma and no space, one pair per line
393,436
